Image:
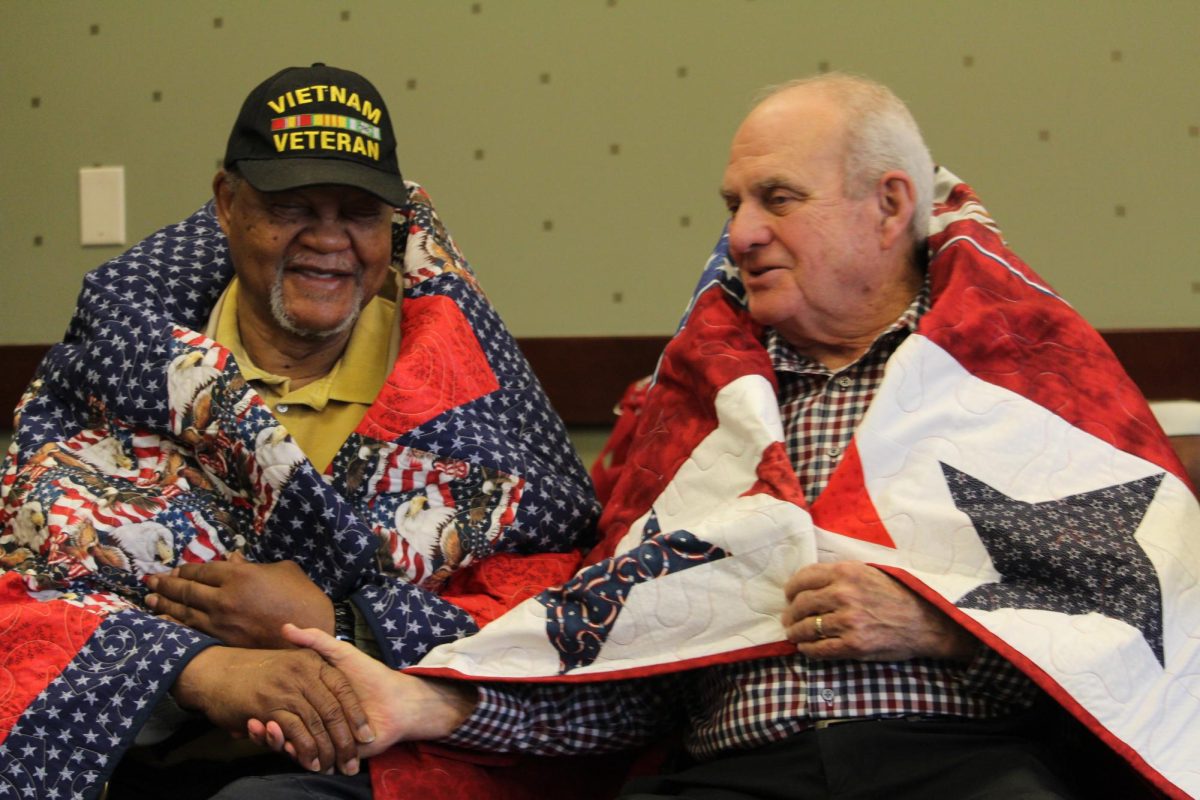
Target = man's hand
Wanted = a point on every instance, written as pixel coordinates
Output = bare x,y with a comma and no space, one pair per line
239,602
400,707
848,609
309,701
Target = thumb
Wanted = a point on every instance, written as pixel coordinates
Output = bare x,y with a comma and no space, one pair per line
318,640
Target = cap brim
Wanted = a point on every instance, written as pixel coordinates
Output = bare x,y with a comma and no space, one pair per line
281,174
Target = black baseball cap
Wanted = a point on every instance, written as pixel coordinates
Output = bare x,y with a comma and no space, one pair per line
311,125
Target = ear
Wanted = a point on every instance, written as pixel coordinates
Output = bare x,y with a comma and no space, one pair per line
223,195
897,198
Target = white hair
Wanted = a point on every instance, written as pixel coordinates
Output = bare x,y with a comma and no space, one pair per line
881,135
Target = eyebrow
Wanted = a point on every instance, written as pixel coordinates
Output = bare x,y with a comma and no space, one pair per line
773,182
766,185
763,186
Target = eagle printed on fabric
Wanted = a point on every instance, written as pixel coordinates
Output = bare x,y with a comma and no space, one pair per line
139,446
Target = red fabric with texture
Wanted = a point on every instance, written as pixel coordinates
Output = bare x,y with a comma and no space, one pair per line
683,412
37,641
441,366
486,589
1028,341
430,772
607,467
845,505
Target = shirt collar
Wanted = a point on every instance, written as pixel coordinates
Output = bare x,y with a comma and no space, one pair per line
785,358
355,377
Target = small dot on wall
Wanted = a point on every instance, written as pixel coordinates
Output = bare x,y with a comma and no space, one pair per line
544,77
968,61
156,97
548,225
1043,135
479,155
614,149
345,16
37,241
218,22
1193,131
477,8
618,297
95,29
685,221
1117,55
35,102
1119,210
682,72
822,66
411,83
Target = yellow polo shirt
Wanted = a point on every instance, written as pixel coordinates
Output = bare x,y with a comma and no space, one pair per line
322,414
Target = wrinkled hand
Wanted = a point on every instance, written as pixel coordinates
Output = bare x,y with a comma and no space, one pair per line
239,602
400,707
309,701
867,615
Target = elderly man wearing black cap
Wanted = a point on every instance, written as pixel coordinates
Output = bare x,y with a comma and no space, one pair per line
294,406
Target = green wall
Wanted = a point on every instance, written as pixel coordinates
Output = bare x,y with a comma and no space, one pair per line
574,147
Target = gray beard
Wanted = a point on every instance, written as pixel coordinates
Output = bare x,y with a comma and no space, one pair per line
285,321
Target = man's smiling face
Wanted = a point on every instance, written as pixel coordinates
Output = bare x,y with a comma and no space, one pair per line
307,259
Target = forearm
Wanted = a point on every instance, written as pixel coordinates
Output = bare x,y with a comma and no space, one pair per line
188,691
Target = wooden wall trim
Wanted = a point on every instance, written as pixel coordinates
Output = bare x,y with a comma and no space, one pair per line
17,364
1163,362
584,376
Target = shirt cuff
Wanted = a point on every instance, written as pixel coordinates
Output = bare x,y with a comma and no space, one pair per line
493,725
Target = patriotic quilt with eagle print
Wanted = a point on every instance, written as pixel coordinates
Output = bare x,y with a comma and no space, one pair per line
139,446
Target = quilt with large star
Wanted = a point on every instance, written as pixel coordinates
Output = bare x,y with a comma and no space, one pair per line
1007,470
139,445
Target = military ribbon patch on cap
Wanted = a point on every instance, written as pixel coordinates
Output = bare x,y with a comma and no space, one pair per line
326,121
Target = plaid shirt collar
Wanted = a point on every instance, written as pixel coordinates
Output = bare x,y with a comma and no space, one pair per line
785,358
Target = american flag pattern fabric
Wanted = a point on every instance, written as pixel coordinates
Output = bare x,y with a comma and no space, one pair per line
1007,470
139,446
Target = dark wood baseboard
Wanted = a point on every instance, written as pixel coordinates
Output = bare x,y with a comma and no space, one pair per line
584,376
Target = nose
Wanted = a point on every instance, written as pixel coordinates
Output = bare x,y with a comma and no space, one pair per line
748,229
326,234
